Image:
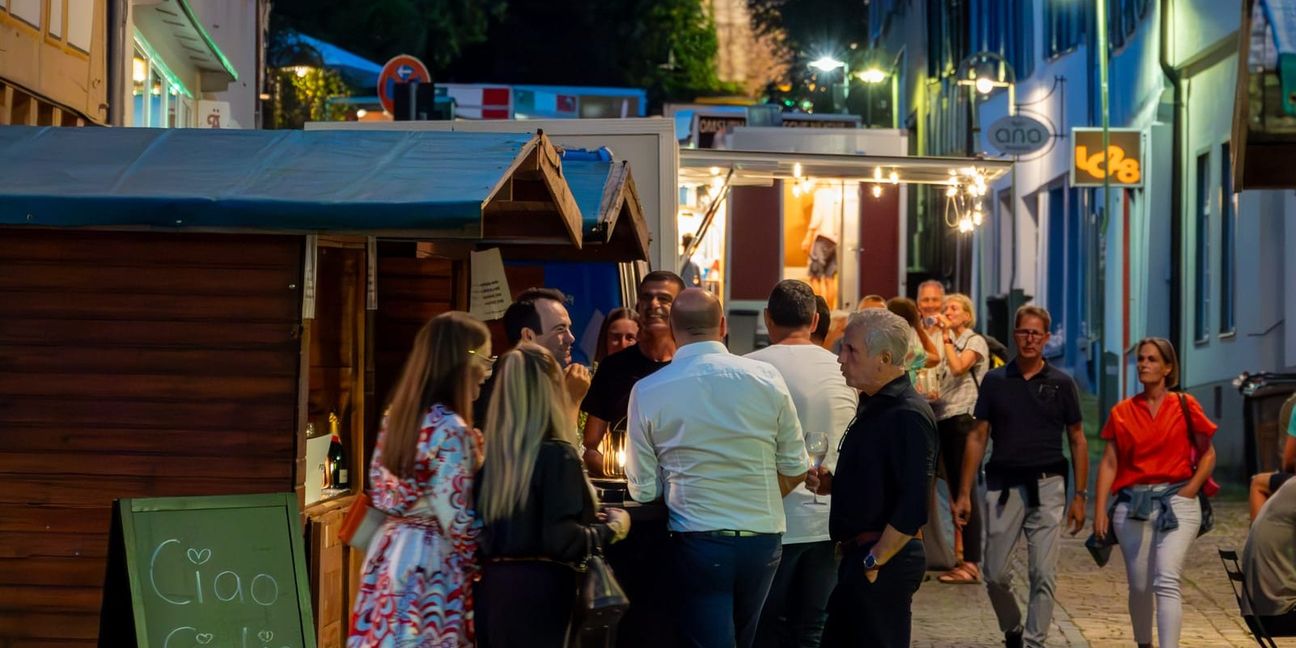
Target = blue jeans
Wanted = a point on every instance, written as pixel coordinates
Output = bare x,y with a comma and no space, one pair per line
723,581
797,605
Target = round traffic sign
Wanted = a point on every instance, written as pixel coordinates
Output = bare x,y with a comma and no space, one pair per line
402,68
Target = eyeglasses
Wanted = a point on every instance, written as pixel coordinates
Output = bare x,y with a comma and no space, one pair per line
1029,334
489,360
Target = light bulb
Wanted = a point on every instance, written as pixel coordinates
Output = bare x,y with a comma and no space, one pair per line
796,170
877,173
965,225
984,85
951,192
796,190
877,191
977,218
895,177
715,171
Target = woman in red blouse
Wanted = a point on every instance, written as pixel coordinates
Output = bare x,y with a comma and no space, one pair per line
1148,467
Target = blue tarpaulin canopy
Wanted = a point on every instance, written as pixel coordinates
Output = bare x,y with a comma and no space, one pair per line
485,186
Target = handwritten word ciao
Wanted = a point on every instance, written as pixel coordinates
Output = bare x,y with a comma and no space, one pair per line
225,586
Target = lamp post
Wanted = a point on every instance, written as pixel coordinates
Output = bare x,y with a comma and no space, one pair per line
828,64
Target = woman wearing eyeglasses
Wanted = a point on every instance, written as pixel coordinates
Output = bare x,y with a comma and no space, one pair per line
1150,467
415,587
539,510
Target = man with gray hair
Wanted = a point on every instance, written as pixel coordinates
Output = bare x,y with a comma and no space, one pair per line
885,465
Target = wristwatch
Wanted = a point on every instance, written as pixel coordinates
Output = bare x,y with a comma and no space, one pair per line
870,562
1083,494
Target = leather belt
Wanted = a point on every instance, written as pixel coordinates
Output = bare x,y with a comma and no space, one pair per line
723,533
867,539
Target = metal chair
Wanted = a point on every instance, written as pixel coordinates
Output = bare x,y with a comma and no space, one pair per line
1238,583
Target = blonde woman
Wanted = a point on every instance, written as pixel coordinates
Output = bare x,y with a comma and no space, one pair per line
539,510
964,355
414,589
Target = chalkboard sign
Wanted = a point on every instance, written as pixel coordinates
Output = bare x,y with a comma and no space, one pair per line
207,572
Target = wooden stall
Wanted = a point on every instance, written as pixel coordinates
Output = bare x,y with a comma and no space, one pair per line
178,307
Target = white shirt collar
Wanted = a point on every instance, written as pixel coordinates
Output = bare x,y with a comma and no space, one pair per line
699,348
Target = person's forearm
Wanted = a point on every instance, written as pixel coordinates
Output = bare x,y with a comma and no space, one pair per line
1106,475
788,484
891,542
1205,465
1080,459
973,453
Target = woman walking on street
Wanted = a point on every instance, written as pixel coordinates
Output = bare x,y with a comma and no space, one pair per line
1148,465
964,354
541,518
414,590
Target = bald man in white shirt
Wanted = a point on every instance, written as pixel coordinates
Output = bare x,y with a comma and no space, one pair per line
717,436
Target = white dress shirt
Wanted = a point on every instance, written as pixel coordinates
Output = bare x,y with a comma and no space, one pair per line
710,432
825,405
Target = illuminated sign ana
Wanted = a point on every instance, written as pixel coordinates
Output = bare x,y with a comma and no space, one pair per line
1121,164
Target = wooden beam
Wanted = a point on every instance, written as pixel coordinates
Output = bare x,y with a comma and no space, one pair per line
6,104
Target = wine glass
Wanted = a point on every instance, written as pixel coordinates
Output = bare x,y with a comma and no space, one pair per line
817,446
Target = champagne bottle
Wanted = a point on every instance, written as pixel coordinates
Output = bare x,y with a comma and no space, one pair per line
338,474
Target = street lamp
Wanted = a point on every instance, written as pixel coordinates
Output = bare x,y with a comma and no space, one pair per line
828,64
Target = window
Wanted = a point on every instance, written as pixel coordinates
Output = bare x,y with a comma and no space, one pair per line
158,98
1228,242
1064,25
1006,27
1122,20
1202,258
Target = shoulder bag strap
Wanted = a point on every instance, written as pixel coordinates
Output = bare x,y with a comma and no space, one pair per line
1192,438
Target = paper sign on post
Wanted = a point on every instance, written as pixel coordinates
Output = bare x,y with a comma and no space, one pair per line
489,295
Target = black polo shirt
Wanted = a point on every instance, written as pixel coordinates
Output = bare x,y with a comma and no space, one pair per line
609,394
1028,418
885,464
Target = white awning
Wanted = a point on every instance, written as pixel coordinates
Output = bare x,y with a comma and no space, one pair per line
699,166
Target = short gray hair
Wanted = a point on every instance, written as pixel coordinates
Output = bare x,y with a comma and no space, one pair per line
932,282
882,331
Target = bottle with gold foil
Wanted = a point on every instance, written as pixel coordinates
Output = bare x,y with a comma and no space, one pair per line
338,474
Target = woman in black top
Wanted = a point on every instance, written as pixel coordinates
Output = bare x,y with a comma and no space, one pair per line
539,510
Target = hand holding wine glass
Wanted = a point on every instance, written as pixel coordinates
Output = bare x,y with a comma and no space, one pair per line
817,447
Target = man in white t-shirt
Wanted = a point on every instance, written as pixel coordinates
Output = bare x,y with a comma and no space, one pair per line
796,607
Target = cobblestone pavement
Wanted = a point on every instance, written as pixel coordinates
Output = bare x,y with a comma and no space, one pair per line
1091,608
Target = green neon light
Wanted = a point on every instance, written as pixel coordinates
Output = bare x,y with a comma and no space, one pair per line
157,61
220,56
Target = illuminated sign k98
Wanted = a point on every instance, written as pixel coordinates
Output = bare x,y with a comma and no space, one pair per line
1121,164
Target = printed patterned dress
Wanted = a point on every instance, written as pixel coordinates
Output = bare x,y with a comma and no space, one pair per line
415,591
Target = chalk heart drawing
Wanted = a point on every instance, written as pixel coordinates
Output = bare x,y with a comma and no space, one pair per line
265,636
199,556
204,637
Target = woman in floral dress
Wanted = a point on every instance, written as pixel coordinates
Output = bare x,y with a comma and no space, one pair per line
415,590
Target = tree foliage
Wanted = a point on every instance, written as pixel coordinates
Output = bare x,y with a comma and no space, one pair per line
665,46
299,98
809,29
436,31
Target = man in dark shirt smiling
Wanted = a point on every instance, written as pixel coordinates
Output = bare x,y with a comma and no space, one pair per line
884,469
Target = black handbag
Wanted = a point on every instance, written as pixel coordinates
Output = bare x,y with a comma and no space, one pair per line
1207,512
600,600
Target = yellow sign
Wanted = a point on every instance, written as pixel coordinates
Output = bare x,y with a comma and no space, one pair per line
1121,164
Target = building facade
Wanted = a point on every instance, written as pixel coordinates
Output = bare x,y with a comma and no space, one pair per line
1181,255
151,63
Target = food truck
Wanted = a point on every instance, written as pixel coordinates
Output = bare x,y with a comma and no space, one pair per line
189,312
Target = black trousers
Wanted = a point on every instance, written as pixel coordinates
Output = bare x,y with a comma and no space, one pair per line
953,443
876,614
524,604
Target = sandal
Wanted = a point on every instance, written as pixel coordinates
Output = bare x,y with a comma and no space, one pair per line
964,573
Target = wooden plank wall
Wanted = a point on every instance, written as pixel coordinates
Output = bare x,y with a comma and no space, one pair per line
132,365
411,290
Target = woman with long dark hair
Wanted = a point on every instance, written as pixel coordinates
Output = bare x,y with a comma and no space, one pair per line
414,589
620,330
539,510
1153,439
